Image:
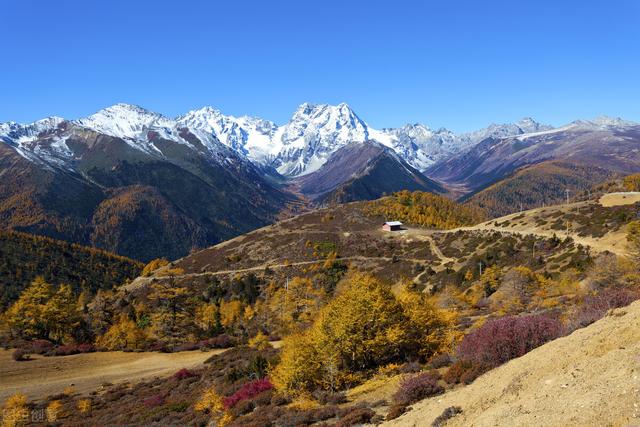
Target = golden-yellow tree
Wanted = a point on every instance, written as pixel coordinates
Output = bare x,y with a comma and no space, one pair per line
363,327
43,311
124,334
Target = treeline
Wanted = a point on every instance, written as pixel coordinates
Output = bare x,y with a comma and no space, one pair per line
424,209
23,257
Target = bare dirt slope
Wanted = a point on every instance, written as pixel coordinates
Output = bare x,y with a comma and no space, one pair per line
589,378
44,376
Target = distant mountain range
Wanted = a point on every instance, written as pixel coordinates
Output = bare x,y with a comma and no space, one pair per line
140,184
296,148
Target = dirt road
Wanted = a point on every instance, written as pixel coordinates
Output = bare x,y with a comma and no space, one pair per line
87,372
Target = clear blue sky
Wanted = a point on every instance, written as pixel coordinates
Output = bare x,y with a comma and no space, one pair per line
457,64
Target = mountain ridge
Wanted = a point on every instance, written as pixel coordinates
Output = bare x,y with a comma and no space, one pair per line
300,146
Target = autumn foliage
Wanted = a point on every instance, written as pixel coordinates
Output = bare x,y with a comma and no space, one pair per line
362,328
501,340
425,209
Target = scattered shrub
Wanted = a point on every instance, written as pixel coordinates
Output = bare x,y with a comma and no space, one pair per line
242,407
447,414
500,340
260,342
455,371
86,348
153,401
54,411
220,341
84,406
410,368
417,387
183,373
464,371
395,411
63,350
20,355
279,399
440,361
355,417
187,346
329,398
41,346
247,391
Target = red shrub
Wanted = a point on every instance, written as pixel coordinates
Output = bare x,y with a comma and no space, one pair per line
63,350
455,371
247,391
154,401
187,346
595,307
416,388
440,361
221,341
86,348
41,346
356,416
20,355
183,373
500,340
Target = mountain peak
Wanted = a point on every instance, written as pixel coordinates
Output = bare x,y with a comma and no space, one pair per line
123,121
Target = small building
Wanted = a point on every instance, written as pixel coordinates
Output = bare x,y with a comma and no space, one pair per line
392,226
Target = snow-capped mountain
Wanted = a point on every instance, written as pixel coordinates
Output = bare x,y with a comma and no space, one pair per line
420,146
314,133
250,136
15,132
523,126
299,147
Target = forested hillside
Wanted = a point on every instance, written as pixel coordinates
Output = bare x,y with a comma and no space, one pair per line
541,184
23,257
425,209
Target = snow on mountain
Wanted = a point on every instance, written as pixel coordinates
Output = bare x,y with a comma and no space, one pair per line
125,121
20,133
603,122
299,147
313,134
250,136
420,146
523,126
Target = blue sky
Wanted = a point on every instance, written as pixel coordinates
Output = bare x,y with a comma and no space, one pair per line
457,64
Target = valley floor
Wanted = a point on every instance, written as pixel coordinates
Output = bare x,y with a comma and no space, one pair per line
45,376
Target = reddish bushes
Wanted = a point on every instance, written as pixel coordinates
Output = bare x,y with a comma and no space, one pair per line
416,388
595,307
187,346
220,341
440,361
20,355
464,371
183,373
69,349
41,346
500,340
247,391
154,401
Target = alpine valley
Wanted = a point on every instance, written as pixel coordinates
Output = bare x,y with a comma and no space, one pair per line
142,185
